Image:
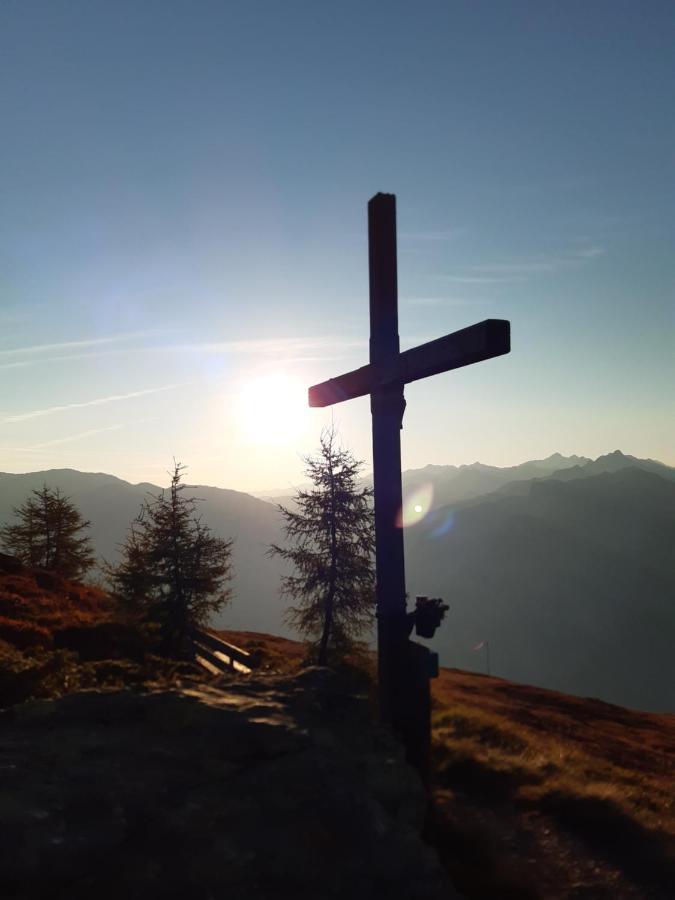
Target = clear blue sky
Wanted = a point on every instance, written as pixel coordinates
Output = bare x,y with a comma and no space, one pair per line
183,191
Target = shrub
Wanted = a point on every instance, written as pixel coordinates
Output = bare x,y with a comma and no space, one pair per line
23,635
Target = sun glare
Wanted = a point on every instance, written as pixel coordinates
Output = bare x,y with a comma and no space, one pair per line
272,409
416,505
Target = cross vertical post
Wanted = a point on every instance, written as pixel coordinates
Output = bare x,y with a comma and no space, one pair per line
404,666
387,406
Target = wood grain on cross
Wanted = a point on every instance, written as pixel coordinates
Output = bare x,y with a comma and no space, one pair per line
384,379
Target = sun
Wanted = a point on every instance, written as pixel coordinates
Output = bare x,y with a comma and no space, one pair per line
272,409
416,505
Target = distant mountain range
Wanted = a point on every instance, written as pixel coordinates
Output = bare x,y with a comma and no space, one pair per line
565,565
456,484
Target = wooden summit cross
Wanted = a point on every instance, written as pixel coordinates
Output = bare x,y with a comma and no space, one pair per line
401,690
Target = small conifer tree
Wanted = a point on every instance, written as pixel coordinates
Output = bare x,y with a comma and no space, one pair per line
173,571
331,537
48,534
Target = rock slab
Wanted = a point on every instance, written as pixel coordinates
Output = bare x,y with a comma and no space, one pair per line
267,787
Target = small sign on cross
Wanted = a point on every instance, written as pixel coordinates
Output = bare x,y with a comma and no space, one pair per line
403,697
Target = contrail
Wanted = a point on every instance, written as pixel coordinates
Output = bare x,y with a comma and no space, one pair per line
273,346
71,345
100,401
73,437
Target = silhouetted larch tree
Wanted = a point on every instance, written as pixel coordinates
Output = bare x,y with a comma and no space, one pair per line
173,571
332,538
47,535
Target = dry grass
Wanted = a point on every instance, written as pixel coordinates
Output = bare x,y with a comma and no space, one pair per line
287,657
37,609
48,674
277,654
50,603
562,796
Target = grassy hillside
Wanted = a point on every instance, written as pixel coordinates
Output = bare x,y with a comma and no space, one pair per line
58,636
540,794
34,605
536,794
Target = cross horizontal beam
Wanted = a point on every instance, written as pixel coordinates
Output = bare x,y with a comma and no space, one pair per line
461,348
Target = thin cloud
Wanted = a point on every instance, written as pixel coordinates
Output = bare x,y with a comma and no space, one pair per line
21,364
274,346
17,316
288,349
448,234
438,301
47,446
72,345
99,401
303,360
590,252
534,265
480,279
71,437
512,270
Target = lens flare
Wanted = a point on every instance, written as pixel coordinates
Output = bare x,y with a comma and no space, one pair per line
444,524
416,506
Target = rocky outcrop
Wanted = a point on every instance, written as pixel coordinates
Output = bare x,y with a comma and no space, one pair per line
266,787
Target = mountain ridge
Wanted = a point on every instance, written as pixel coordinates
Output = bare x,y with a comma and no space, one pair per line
568,577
